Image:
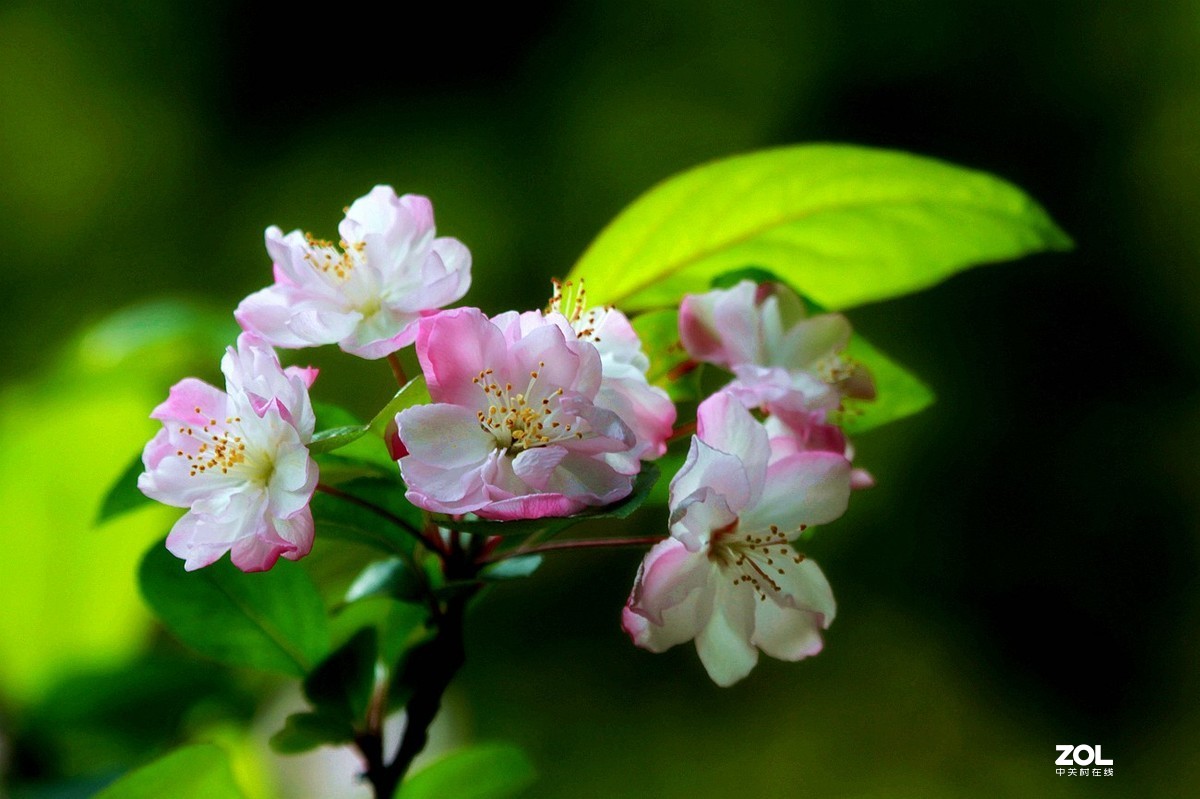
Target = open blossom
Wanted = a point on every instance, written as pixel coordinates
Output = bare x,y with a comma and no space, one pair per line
624,390
514,431
783,359
238,461
728,576
367,292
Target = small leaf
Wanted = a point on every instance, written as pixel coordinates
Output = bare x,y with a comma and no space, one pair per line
486,771
124,495
847,225
413,393
898,393
304,731
341,686
201,771
331,417
335,438
271,620
357,447
392,578
512,568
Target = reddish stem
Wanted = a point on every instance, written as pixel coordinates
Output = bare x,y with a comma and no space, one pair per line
682,369
683,431
397,369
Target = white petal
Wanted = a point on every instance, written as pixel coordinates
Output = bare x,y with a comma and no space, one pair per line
724,643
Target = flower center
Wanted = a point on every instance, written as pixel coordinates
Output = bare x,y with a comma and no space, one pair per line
526,419
337,262
571,301
754,560
835,369
219,450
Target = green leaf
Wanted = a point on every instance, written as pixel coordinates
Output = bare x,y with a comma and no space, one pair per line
399,625
846,225
335,438
487,771
413,393
898,393
356,446
392,578
201,771
512,568
670,366
157,334
331,417
304,731
341,686
338,517
124,495
642,485
338,468
271,620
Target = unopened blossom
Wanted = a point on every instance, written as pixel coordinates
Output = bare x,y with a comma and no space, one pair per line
238,461
782,358
728,577
367,291
514,431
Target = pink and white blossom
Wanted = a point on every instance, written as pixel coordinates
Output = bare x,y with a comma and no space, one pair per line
624,389
514,430
238,461
782,357
728,577
367,292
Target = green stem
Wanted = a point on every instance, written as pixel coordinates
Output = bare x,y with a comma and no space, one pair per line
583,543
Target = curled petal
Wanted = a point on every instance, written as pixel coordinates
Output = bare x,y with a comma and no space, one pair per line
454,347
802,489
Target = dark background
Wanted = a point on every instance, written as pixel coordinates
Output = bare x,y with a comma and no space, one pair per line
1024,574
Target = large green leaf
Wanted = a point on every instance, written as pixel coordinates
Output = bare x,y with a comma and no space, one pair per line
844,224
389,527
271,620
487,771
201,771
671,368
341,686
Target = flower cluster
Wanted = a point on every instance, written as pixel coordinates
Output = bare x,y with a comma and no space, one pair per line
728,577
532,415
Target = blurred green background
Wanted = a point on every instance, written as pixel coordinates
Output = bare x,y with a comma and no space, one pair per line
1025,573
